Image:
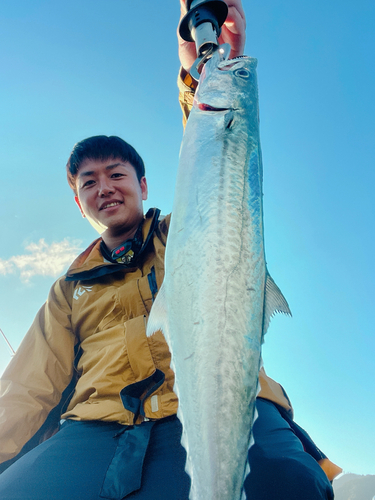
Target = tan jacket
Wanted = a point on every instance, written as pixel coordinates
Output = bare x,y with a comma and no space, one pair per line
106,317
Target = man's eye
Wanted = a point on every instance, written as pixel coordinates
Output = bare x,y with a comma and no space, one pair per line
117,174
88,183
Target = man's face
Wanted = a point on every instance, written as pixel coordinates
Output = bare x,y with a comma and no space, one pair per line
110,196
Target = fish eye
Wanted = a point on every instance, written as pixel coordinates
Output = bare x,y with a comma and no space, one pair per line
242,73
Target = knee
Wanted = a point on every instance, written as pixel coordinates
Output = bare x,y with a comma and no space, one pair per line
287,479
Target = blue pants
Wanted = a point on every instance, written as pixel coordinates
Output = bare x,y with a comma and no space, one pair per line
90,461
280,469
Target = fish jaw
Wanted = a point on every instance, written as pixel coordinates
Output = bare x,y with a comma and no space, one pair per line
225,84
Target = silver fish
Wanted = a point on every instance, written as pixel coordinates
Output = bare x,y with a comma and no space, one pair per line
217,297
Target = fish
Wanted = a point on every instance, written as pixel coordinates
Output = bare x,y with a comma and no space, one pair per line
217,296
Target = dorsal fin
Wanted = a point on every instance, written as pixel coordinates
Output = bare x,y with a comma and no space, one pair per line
274,302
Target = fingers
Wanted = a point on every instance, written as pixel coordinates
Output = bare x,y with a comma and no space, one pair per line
235,9
234,31
186,50
236,20
183,8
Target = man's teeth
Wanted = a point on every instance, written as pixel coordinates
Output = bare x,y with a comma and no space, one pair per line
112,204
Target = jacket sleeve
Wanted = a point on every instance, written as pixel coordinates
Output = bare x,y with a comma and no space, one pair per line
33,383
186,86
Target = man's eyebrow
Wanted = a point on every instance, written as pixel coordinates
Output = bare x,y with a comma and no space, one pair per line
120,163
87,173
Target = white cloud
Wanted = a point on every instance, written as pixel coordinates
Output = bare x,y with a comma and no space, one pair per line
6,266
42,259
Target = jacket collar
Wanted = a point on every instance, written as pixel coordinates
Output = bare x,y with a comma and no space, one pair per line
91,263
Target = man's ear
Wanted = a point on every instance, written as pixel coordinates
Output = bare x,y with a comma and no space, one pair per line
79,206
144,188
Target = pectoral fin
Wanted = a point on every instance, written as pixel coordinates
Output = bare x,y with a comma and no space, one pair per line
158,319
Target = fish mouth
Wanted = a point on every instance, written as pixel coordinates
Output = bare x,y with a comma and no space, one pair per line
231,63
207,107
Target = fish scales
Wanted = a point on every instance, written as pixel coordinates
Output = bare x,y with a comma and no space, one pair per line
212,301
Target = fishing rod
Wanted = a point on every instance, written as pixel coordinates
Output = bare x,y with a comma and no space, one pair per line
7,341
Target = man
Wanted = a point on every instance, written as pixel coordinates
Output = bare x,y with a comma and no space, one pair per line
87,358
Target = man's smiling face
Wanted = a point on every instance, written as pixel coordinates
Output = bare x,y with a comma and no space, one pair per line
110,195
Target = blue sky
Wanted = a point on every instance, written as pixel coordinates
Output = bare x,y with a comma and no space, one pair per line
71,69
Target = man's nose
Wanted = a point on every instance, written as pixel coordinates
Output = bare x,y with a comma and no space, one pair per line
105,188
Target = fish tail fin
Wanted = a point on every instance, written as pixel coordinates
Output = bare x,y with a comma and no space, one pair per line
158,315
274,302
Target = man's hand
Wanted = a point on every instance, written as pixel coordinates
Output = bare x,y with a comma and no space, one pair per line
232,32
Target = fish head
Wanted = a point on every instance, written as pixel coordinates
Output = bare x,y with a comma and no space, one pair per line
226,84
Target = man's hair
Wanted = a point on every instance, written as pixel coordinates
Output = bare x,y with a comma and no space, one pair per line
101,147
